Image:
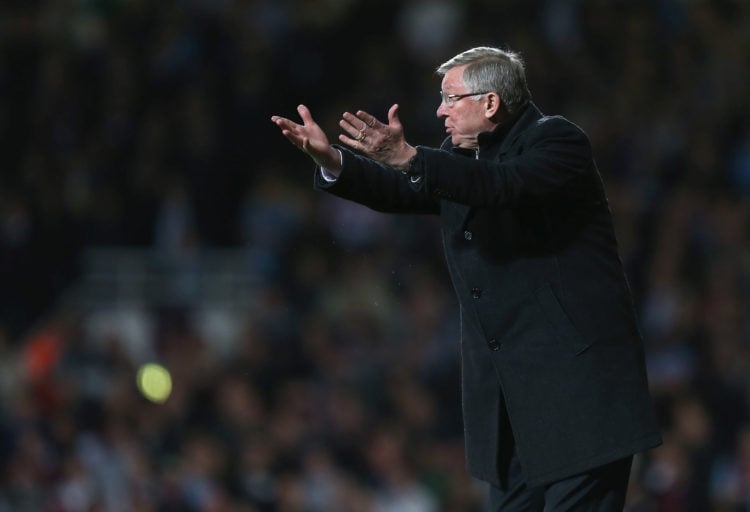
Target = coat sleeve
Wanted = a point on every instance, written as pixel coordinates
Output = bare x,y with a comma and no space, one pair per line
555,153
378,187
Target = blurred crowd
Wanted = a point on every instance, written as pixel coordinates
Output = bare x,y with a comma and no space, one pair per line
336,388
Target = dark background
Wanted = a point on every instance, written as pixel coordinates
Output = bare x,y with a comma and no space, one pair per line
333,383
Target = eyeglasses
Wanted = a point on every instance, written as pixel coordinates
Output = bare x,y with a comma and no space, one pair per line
450,99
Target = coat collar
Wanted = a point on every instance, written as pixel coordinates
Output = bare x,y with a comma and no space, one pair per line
506,133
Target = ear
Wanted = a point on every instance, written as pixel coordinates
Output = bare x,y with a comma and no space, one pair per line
492,105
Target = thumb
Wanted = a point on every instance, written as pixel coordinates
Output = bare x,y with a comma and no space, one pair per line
393,119
305,114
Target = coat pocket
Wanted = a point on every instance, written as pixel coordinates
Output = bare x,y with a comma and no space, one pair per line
559,319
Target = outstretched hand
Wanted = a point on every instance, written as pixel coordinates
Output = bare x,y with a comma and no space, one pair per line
310,138
379,141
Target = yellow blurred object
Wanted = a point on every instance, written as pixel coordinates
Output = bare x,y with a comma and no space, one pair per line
155,382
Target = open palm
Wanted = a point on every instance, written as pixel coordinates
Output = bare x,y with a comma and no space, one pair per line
310,138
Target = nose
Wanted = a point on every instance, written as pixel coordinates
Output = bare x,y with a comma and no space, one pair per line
442,110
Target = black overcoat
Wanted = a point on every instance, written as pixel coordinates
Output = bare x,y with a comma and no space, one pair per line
550,350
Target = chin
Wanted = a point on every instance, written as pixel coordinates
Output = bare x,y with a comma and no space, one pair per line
465,142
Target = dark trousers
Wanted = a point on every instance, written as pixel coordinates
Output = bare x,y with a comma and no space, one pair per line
601,489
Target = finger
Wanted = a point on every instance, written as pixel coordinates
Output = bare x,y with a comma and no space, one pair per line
289,129
348,123
360,139
393,118
285,124
294,138
351,125
366,118
357,123
305,114
279,121
352,143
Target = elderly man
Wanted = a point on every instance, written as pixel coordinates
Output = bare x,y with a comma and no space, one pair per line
555,394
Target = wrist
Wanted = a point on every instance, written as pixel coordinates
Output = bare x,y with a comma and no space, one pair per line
333,162
405,162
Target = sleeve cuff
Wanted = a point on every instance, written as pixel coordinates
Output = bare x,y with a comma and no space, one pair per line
327,174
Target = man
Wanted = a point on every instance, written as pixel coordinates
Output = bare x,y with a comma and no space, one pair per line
555,394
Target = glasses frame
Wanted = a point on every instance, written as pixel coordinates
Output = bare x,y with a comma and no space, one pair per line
450,99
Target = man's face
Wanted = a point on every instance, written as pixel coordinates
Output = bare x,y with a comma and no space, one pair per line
466,118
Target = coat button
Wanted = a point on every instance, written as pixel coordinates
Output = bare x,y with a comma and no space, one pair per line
476,293
493,344
468,235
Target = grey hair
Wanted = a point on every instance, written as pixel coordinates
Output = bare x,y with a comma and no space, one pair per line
495,70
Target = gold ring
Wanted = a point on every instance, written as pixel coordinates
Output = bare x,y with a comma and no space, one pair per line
362,136
371,123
